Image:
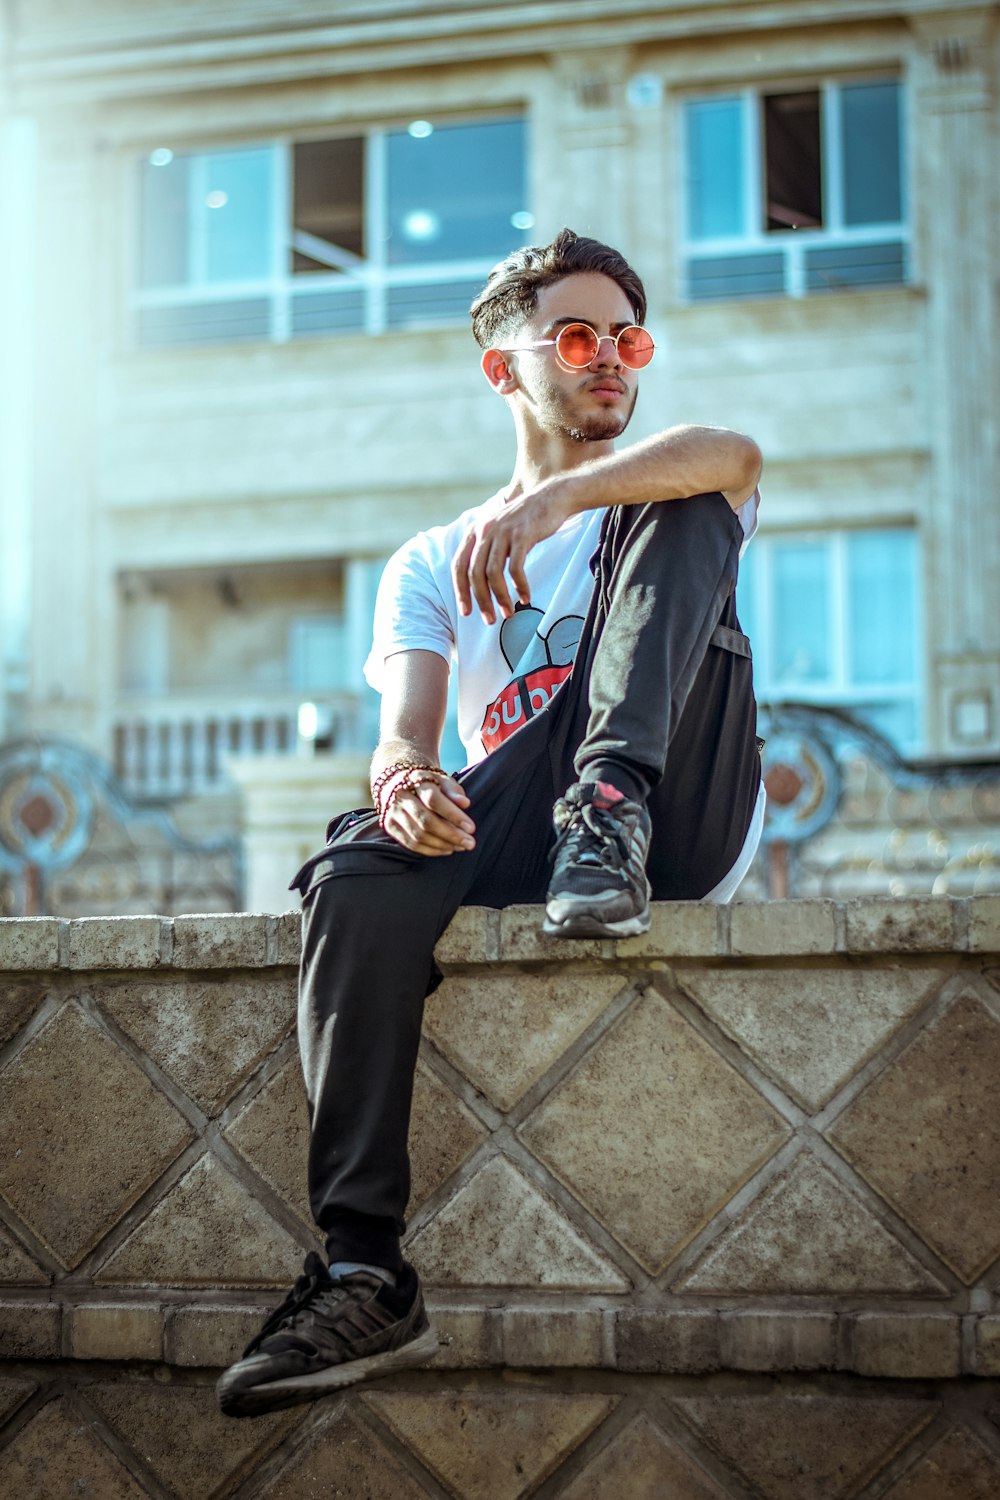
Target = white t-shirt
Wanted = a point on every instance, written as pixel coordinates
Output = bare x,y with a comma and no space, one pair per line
506,671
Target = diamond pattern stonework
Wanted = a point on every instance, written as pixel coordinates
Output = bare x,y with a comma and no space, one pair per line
654,1189
484,1446
810,1033
499,1230
806,1234
926,1135
656,1469
504,1031
84,1131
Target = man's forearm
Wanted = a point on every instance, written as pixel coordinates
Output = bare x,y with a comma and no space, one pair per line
671,465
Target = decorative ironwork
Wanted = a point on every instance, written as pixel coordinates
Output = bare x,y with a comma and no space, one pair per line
847,816
72,844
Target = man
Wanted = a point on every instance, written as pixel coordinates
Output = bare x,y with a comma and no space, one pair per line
621,566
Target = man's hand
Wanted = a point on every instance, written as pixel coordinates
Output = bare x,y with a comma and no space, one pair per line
501,544
430,818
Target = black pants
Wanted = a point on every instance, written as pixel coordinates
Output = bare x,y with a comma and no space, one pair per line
663,683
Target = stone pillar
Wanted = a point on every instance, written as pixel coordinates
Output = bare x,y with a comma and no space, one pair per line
957,212
68,651
287,802
583,147
18,152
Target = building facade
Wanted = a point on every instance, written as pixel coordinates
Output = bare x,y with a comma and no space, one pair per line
238,246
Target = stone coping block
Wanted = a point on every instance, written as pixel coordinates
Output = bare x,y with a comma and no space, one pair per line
29,943
114,943
478,935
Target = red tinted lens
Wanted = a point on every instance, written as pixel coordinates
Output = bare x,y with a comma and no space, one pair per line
635,347
576,345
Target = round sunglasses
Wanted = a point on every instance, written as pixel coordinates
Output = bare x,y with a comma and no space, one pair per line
578,345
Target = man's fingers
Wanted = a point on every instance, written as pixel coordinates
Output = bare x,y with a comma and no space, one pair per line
460,573
480,587
497,581
518,577
407,830
437,800
427,821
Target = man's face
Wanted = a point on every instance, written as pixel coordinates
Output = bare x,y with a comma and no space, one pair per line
589,405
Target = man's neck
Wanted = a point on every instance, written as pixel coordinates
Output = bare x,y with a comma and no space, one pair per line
538,462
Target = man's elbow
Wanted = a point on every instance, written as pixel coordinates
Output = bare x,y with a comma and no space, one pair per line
747,464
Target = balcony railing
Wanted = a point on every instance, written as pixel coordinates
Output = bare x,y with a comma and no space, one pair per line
178,747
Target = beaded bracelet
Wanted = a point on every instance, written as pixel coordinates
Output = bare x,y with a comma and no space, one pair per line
404,769
408,782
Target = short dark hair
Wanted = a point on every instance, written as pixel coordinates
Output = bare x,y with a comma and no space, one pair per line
510,295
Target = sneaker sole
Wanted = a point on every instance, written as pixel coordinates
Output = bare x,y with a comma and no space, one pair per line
584,925
298,1389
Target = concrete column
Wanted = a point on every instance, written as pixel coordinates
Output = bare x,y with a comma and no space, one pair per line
583,141
18,153
69,650
958,203
287,802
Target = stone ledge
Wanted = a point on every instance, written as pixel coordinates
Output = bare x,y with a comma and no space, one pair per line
478,935
201,1335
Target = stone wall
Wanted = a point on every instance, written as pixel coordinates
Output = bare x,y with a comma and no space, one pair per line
712,1213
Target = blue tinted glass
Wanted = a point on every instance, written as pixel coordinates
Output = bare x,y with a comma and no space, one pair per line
454,193
882,607
802,614
747,592
163,254
715,175
235,214
870,144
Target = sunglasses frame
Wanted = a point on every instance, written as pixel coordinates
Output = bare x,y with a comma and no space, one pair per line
600,337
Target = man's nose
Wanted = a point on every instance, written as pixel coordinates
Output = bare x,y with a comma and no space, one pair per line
607,351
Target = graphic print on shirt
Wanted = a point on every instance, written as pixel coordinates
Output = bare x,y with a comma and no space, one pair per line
539,664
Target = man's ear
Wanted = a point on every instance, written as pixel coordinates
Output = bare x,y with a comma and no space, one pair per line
498,372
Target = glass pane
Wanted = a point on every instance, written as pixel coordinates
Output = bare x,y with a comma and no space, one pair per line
792,182
164,232
329,197
747,591
870,144
455,192
880,264
716,203
802,614
233,205
202,322
742,275
882,607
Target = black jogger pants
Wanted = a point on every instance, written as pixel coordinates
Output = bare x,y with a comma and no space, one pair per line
662,682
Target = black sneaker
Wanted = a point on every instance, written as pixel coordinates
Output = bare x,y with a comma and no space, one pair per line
599,886
328,1334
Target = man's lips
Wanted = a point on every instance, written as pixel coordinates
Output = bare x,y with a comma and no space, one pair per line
608,387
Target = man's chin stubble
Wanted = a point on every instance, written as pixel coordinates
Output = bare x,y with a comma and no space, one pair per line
600,430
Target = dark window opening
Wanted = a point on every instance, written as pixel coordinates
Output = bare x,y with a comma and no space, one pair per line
328,202
793,184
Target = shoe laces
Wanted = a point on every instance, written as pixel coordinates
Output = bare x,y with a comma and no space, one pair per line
313,1285
591,834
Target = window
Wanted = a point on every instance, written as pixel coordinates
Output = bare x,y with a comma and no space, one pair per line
793,192
351,234
833,619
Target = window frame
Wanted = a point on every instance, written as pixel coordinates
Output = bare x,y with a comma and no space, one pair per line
840,690
792,245
374,276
